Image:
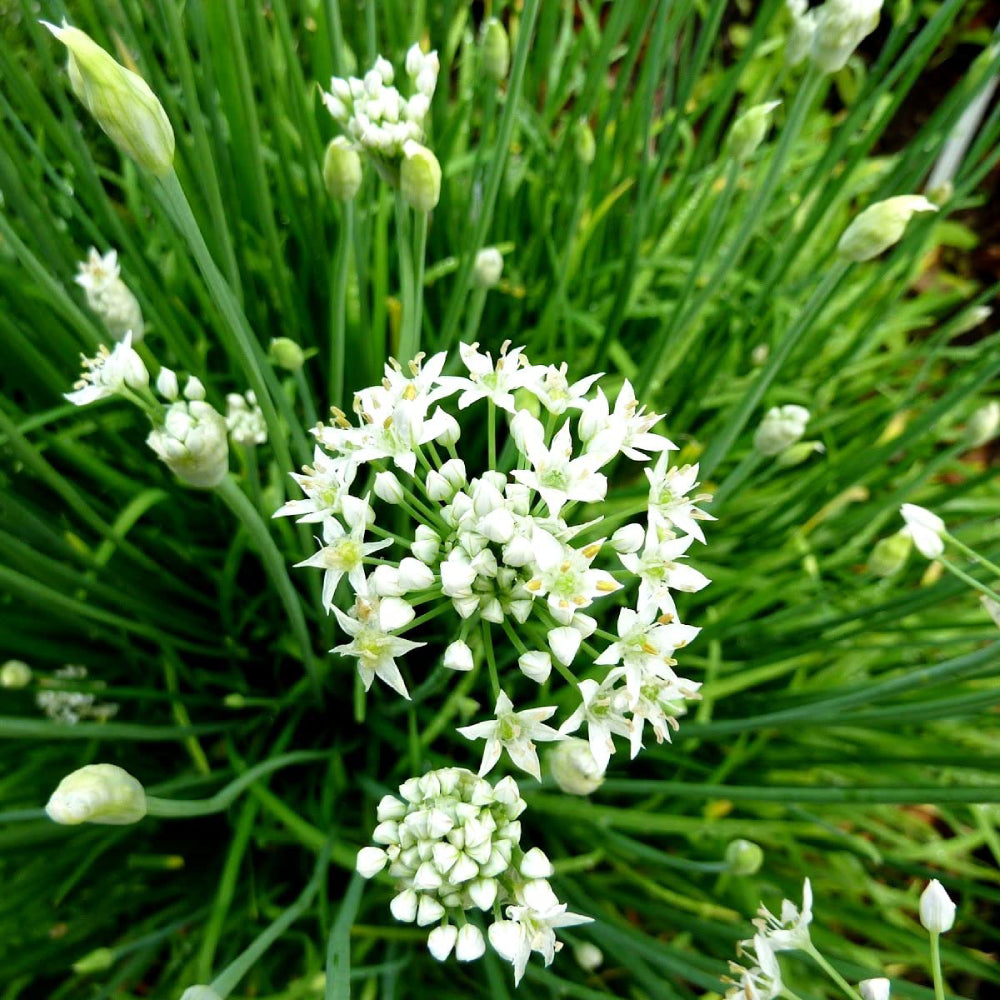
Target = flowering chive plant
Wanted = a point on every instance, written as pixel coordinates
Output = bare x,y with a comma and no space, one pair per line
517,553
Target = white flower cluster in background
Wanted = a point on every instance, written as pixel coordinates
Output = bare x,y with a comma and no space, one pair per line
70,707
375,115
109,296
452,844
189,435
828,34
245,419
518,549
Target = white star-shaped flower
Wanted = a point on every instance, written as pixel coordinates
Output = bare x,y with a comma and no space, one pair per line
669,503
659,572
514,732
603,719
790,931
325,483
564,575
497,382
555,392
626,430
370,625
108,373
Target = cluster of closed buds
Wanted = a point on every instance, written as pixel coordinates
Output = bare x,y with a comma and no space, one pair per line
451,842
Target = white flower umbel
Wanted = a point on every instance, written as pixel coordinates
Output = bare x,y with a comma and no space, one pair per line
375,115
790,930
514,544
192,442
829,34
245,419
110,373
109,296
514,732
925,528
451,842
98,793
781,427
70,707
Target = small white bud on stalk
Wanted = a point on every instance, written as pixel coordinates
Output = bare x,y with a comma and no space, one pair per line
880,226
285,353
890,554
781,427
388,488
488,267
536,665
749,129
629,538
193,442
841,26
166,384
342,170
98,793
588,956
925,528
874,989
121,102
495,48
470,944
420,177
441,940
458,656
937,910
983,424
15,674
573,767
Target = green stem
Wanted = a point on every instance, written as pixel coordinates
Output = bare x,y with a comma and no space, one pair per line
243,343
491,661
491,432
972,553
832,973
966,578
274,563
338,308
936,966
411,345
406,279
223,799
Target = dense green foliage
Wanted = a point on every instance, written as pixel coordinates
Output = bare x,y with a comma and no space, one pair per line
846,724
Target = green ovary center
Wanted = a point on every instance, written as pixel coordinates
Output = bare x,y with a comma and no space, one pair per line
345,555
553,479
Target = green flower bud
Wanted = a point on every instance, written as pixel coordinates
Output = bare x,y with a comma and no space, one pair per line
495,47
341,170
420,177
285,353
99,960
890,554
583,142
983,424
15,674
98,793
798,453
749,129
880,226
744,857
488,268
121,102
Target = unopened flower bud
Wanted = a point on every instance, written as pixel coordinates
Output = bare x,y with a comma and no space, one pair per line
166,384
798,453
99,960
971,318
744,857
193,442
458,656
584,145
15,674
200,993
588,956
937,910
121,102
420,177
470,944
488,268
98,793
495,47
536,665
194,389
781,427
370,861
573,767
874,989
341,170
880,226
749,129
285,353
388,488
840,26
628,538
441,940
983,424
889,555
